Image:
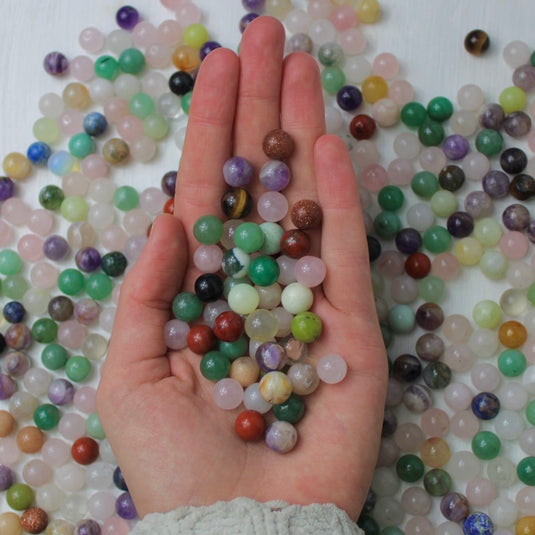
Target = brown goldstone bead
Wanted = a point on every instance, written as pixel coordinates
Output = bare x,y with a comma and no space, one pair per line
306,214
34,520
278,145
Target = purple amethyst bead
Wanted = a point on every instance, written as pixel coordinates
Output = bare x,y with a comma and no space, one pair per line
516,217
349,98
6,477
207,47
455,507
127,17
253,5
18,336
88,259
460,224
246,20
492,117
7,386
281,436
168,183
55,63
124,505
517,124
7,188
16,363
270,356
530,231
496,184
455,147
61,392
56,247
238,172
524,77
88,527
478,204
408,240
275,175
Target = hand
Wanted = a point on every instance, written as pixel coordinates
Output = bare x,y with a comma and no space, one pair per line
174,446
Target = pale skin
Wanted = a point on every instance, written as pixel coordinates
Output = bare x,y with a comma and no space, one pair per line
174,446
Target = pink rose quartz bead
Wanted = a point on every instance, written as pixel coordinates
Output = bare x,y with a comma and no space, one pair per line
343,18
95,166
464,424
85,399
475,166
485,377
115,526
401,92
374,177
458,396
71,334
15,211
44,275
331,368
459,357
30,247
435,423
56,452
445,266
272,206
82,68
152,200
91,40
400,172
75,183
403,289
310,271
188,13
115,109
6,233
176,334
9,451
136,221
457,328
525,500
409,436
385,65
391,264
480,492
407,145
352,41
113,238
514,244
170,32
432,159
41,222
207,258
130,128
145,33
228,394
419,525
320,9
158,55
36,473
71,122
416,501
365,153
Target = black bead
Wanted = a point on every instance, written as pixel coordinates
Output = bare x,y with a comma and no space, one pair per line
114,263
460,224
406,368
209,287
513,160
181,83
451,178
374,248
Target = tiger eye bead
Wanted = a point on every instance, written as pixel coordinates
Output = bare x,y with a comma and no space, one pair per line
236,203
278,145
476,42
306,214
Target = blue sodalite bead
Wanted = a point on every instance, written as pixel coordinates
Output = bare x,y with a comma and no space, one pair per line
485,405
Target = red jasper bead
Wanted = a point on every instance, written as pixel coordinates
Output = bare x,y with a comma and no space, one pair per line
169,206
362,126
418,265
228,326
295,243
250,425
84,450
201,339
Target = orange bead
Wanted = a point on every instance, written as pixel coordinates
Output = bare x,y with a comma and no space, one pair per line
374,88
186,58
525,525
30,439
169,206
435,452
7,423
512,334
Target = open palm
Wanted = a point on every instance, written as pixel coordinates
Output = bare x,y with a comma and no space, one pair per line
174,446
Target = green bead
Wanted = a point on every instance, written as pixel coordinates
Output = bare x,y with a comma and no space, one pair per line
413,114
525,470
530,412
236,349
386,225
437,482
306,327
81,145
494,265
74,208
332,79
430,133
369,525
185,102
54,357
487,314
78,368
187,306
106,67
401,319
486,445
141,105
272,238
439,109
249,237
489,142
264,271
443,203
15,286
437,239
19,496
512,99
431,289
51,197
208,229
94,427
126,198
390,198
10,262
71,281
215,366
292,410
155,126
195,35
487,231
425,184
512,362
114,263
531,294
330,54
132,61
46,416
98,286
410,468
44,330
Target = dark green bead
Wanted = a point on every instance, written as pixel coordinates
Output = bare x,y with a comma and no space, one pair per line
526,471
437,239
71,281
486,445
437,482
424,184
51,197
98,286
215,366
368,525
114,263
489,142
54,356
264,271
530,412
292,410
439,109
430,133
106,67
413,114
187,306
44,330
19,496
234,350
208,229
132,61
46,416
410,468
512,362
390,198
386,225
78,368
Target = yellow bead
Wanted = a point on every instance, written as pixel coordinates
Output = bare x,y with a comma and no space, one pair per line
10,524
512,99
278,8
374,88
16,166
195,35
186,58
368,11
525,525
435,452
468,251
76,96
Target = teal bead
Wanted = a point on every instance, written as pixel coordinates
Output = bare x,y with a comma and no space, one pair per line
386,225
489,142
215,366
107,67
486,445
236,349
512,362
249,237
81,145
437,482
439,109
185,102
132,61
410,468
93,427
306,327
273,233
54,357
437,239
10,262
430,133
413,114
98,286
141,105
51,197
332,79
390,198
264,271
78,368
425,184
530,412
46,416
71,281
187,306
431,289
401,319
15,286
19,496
126,198
525,470
292,410
208,229
44,330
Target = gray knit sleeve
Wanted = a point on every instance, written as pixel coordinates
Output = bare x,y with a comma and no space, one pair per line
244,516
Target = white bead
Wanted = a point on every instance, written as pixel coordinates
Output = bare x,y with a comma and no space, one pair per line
296,298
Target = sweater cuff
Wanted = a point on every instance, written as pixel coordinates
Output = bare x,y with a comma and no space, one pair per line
246,516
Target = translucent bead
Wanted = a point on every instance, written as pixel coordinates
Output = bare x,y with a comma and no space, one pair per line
525,500
51,105
357,69
74,507
501,471
407,145
388,512
36,473
91,40
415,501
136,221
512,396
170,33
343,18
409,437
50,498
353,41
435,422
480,491
331,368
464,424
100,90
432,159
464,122
508,425
385,482
228,393
37,381
15,211
470,97
464,466
82,68
319,9
483,342
503,511
420,216
485,377
188,13
386,65
448,528
520,275
516,53
419,525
